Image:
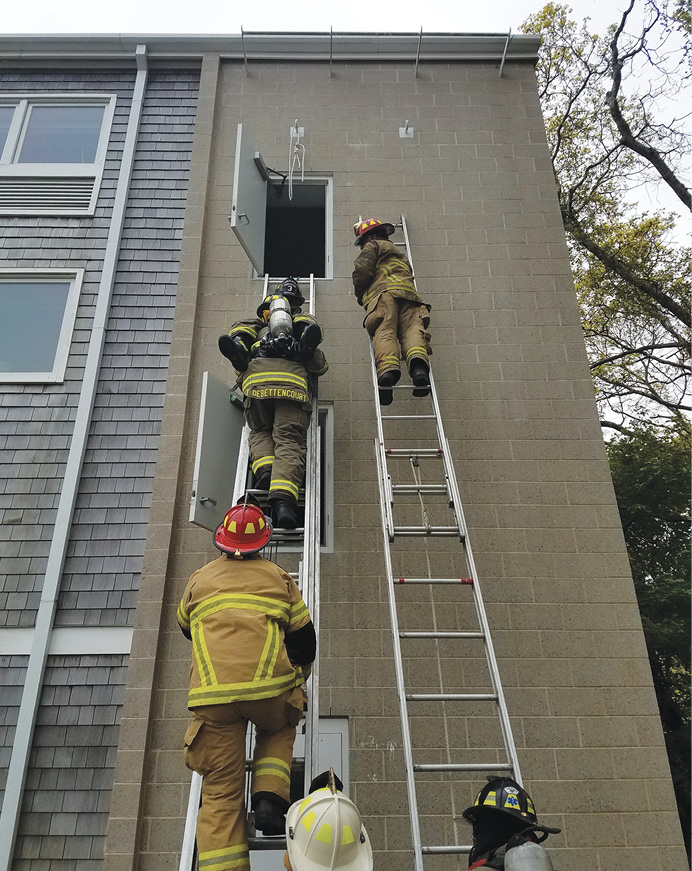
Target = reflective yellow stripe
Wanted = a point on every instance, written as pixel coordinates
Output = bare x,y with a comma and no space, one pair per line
298,611
282,377
270,653
416,352
273,608
228,857
201,652
270,766
263,461
250,331
283,484
228,692
183,619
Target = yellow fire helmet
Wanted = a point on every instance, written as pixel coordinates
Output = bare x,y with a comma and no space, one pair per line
324,831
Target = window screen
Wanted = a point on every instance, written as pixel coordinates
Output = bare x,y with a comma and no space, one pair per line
62,134
36,318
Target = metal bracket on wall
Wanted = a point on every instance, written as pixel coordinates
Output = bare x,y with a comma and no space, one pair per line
504,53
242,37
420,39
406,132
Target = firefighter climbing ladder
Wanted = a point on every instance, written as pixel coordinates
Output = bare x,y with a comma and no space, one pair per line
391,531
308,580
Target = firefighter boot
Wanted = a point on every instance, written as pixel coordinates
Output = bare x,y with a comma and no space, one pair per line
385,382
263,480
309,340
285,514
420,375
234,350
270,813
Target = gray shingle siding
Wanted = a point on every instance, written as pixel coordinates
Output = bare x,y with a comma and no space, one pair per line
103,562
67,794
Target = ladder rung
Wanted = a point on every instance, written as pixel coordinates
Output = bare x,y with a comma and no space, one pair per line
408,417
275,842
452,697
466,581
463,766
411,452
452,849
419,488
441,635
428,530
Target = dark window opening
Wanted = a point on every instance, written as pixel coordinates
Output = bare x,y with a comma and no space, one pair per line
295,231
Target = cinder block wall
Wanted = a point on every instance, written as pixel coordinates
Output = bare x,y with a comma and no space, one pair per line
477,189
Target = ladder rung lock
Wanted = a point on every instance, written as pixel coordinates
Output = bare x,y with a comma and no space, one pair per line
427,530
452,849
464,581
419,488
452,697
411,452
408,417
463,766
441,635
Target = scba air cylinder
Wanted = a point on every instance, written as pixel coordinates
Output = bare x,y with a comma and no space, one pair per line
280,319
528,857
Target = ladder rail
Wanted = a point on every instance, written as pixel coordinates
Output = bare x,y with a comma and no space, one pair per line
386,491
400,683
309,576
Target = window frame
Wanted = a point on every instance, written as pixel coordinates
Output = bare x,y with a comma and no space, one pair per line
10,168
327,182
62,351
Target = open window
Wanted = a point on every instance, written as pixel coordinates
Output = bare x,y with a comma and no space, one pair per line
281,235
37,315
52,152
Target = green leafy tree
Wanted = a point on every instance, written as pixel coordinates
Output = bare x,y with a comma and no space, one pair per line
632,278
651,477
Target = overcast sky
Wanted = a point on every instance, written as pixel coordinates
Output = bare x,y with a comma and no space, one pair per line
227,16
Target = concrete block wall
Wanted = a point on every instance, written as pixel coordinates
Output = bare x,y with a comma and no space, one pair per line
477,190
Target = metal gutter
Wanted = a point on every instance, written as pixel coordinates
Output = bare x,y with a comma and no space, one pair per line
267,46
43,630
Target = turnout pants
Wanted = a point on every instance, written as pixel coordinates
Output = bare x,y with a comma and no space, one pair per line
215,748
397,321
278,434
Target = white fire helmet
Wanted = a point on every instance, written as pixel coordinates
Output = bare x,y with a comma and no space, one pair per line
324,830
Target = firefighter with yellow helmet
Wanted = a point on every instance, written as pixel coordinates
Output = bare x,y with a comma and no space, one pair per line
395,314
252,645
506,833
277,359
325,831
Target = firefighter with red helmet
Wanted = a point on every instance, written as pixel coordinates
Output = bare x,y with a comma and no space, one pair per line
252,645
277,359
395,314
506,832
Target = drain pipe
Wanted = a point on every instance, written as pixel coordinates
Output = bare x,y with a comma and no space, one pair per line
43,628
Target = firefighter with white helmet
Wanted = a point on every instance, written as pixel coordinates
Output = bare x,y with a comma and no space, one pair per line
252,645
395,314
325,831
276,358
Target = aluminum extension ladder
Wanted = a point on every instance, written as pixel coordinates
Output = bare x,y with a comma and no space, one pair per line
308,580
389,491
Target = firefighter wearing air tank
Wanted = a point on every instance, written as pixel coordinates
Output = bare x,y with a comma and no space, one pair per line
277,358
252,644
506,833
395,314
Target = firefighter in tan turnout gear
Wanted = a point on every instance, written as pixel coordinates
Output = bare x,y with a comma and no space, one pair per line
252,644
395,314
277,358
